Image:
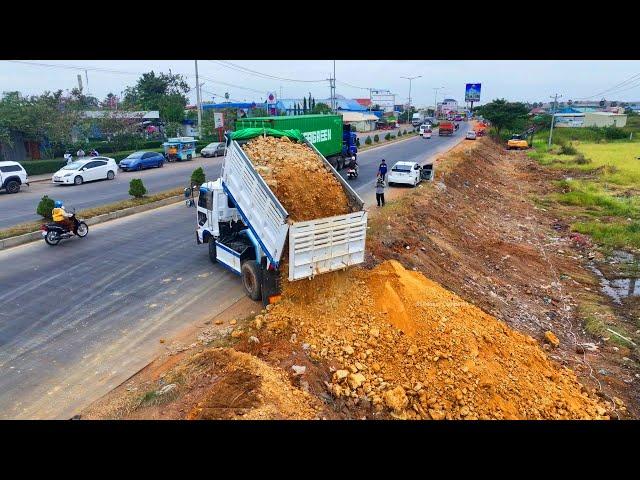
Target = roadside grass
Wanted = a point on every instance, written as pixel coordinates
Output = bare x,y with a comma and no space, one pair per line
605,192
382,141
30,227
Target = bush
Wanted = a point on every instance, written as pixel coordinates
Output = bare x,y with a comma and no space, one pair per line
582,160
376,138
404,133
387,137
197,177
136,188
568,149
368,141
391,137
38,167
45,207
399,133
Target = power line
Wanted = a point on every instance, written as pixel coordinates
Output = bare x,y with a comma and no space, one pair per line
610,90
353,86
233,66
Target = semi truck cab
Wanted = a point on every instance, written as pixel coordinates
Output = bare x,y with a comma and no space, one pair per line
349,142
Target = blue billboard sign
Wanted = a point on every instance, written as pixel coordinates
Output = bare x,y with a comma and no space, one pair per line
472,92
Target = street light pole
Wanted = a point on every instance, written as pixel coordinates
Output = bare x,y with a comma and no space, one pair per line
199,106
410,79
553,116
435,102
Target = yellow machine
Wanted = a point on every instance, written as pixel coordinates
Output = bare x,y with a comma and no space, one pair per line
517,142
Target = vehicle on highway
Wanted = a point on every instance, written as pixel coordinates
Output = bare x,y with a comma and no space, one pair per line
471,135
423,127
179,148
214,149
140,160
516,142
246,226
410,173
12,176
445,128
427,133
54,232
86,170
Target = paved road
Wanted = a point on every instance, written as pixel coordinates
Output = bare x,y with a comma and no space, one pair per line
80,318
21,207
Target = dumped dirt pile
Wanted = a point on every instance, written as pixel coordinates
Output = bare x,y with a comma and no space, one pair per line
404,343
220,384
298,178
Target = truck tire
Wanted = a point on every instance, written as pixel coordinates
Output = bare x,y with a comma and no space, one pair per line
212,251
12,186
251,279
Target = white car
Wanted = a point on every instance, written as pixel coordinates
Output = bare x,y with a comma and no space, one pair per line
86,170
12,175
214,149
423,127
410,173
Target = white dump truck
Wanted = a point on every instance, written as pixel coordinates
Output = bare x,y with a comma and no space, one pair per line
247,228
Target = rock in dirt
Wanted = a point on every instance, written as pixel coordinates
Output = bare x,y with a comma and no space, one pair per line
167,388
396,399
298,369
551,338
355,380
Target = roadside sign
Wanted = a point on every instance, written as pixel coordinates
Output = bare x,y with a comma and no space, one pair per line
472,92
218,119
271,98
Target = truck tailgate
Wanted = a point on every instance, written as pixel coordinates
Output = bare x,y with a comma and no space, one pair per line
326,244
258,206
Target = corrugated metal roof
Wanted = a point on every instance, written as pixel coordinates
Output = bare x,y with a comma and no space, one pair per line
151,114
357,117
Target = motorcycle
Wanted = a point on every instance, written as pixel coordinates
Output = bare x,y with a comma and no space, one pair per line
352,170
53,232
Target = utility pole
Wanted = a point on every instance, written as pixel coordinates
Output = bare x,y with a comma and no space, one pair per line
410,79
333,96
435,102
199,104
553,111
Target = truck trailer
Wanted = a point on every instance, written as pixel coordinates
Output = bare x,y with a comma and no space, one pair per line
445,128
247,229
328,133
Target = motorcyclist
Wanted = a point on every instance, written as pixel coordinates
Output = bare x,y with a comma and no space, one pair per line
62,217
354,164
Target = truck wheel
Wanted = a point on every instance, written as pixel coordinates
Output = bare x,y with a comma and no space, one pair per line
212,250
251,279
12,186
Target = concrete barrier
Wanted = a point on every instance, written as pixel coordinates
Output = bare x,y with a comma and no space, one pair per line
33,236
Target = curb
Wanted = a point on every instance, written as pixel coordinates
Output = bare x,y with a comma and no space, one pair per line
105,217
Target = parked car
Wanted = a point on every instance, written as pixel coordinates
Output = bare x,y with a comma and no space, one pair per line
12,176
140,160
410,173
471,135
214,149
86,170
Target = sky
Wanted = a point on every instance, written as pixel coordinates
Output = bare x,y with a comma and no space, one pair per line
515,80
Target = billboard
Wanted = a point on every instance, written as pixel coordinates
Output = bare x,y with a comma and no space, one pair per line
218,119
472,92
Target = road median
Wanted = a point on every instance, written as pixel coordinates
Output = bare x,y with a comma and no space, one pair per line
21,234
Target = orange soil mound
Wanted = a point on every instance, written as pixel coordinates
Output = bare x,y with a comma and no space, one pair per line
407,344
298,178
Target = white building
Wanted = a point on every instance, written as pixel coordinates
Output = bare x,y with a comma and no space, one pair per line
604,119
448,105
363,122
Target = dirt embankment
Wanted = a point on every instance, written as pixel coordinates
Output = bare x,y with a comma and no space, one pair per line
389,342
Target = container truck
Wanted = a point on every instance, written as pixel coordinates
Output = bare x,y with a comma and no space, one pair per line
328,133
247,229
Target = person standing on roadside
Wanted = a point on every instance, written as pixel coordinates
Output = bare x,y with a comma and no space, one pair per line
80,153
382,169
380,191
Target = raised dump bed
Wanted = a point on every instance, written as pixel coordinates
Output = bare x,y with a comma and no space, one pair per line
253,214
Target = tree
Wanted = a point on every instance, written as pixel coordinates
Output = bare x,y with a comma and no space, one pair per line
110,102
197,177
313,104
504,115
163,92
45,207
136,188
322,108
304,105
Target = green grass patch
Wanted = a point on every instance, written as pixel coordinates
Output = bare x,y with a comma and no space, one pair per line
612,235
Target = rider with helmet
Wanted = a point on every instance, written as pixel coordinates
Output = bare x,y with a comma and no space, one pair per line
62,217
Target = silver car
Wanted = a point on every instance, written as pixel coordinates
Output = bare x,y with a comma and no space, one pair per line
214,149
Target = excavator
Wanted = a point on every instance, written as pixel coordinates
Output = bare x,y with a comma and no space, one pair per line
517,142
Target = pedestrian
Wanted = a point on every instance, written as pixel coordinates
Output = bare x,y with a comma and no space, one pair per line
382,169
80,153
68,157
380,191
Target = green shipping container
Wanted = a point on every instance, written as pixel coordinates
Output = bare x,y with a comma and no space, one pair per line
323,131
